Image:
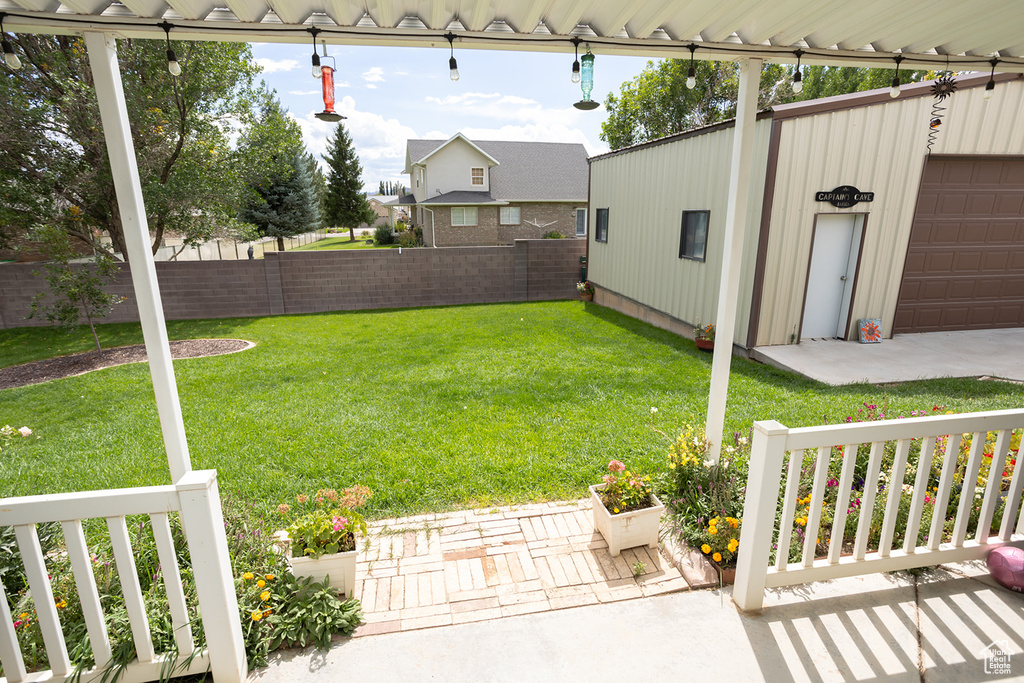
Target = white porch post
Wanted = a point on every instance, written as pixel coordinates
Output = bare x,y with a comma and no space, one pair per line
121,151
732,253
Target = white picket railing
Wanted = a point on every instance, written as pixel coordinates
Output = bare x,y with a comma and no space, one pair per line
195,498
772,441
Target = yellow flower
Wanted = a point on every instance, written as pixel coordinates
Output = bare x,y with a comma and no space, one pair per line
717,557
705,549
264,596
734,523
261,583
256,616
270,577
616,510
62,603
733,544
713,530
23,615
247,576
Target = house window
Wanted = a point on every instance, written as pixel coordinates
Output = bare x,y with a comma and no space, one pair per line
419,174
581,222
694,235
463,215
478,176
509,215
601,229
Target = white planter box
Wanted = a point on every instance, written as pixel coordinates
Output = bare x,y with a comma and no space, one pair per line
341,567
629,529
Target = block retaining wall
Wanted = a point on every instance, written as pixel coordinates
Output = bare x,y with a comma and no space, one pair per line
317,281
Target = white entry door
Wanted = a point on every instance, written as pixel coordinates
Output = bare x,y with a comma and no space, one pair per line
830,280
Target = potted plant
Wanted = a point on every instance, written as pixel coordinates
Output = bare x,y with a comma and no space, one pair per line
704,336
321,535
586,290
626,511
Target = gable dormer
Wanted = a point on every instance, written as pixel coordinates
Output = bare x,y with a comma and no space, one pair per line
456,164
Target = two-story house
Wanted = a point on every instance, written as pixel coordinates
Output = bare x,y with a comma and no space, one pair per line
493,192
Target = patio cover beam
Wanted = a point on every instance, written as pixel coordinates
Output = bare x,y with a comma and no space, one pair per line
121,151
732,253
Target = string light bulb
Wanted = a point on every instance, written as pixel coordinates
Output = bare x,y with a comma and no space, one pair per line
172,59
576,64
798,79
691,73
453,66
990,87
316,58
894,91
10,56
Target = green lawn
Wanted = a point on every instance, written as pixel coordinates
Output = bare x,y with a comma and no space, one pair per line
341,243
432,408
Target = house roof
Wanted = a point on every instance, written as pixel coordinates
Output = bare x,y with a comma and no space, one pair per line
411,159
526,171
463,197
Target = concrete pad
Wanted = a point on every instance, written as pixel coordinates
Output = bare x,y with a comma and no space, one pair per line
905,357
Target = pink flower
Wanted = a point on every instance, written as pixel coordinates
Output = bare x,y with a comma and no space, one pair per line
608,479
616,466
301,498
25,431
283,508
339,523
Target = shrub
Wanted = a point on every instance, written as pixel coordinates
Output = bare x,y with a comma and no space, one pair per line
382,235
408,239
553,235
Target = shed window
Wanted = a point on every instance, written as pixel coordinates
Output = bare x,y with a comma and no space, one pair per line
463,215
601,228
510,215
693,237
477,175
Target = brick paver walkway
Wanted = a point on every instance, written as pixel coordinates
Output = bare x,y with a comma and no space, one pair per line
437,570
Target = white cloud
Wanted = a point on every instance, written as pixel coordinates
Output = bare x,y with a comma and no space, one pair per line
379,142
371,86
374,75
273,65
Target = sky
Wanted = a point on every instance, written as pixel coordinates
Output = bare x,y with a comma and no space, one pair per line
390,95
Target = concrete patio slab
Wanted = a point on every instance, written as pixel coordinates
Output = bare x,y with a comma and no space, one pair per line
905,357
881,627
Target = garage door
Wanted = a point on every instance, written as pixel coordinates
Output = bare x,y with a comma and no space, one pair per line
965,262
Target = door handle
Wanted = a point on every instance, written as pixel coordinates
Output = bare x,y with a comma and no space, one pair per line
843,278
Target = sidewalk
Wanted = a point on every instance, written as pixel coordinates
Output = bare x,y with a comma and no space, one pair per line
905,357
453,598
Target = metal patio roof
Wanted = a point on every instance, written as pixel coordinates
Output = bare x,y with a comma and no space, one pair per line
928,33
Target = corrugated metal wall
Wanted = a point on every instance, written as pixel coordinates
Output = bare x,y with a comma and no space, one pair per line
646,191
882,149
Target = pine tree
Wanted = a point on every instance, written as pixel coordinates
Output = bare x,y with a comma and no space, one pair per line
345,204
287,204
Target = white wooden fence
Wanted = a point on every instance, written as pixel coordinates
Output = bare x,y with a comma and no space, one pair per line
196,499
770,445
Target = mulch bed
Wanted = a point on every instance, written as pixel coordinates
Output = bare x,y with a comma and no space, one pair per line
80,363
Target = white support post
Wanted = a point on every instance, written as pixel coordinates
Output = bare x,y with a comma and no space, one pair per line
203,523
124,169
766,455
732,252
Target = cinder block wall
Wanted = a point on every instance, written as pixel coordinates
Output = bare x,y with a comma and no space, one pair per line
308,282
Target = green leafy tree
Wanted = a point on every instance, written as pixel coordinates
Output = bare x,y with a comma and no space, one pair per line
345,203
391,187
53,154
657,102
826,81
75,289
286,204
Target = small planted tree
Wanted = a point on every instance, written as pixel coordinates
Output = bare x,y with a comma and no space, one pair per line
76,289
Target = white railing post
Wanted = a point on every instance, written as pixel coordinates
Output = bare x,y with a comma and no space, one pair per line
766,455
203,522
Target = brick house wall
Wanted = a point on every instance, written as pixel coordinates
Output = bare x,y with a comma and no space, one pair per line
306,282
550,216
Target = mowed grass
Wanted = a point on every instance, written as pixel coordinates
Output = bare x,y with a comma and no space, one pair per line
432,408
341,243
